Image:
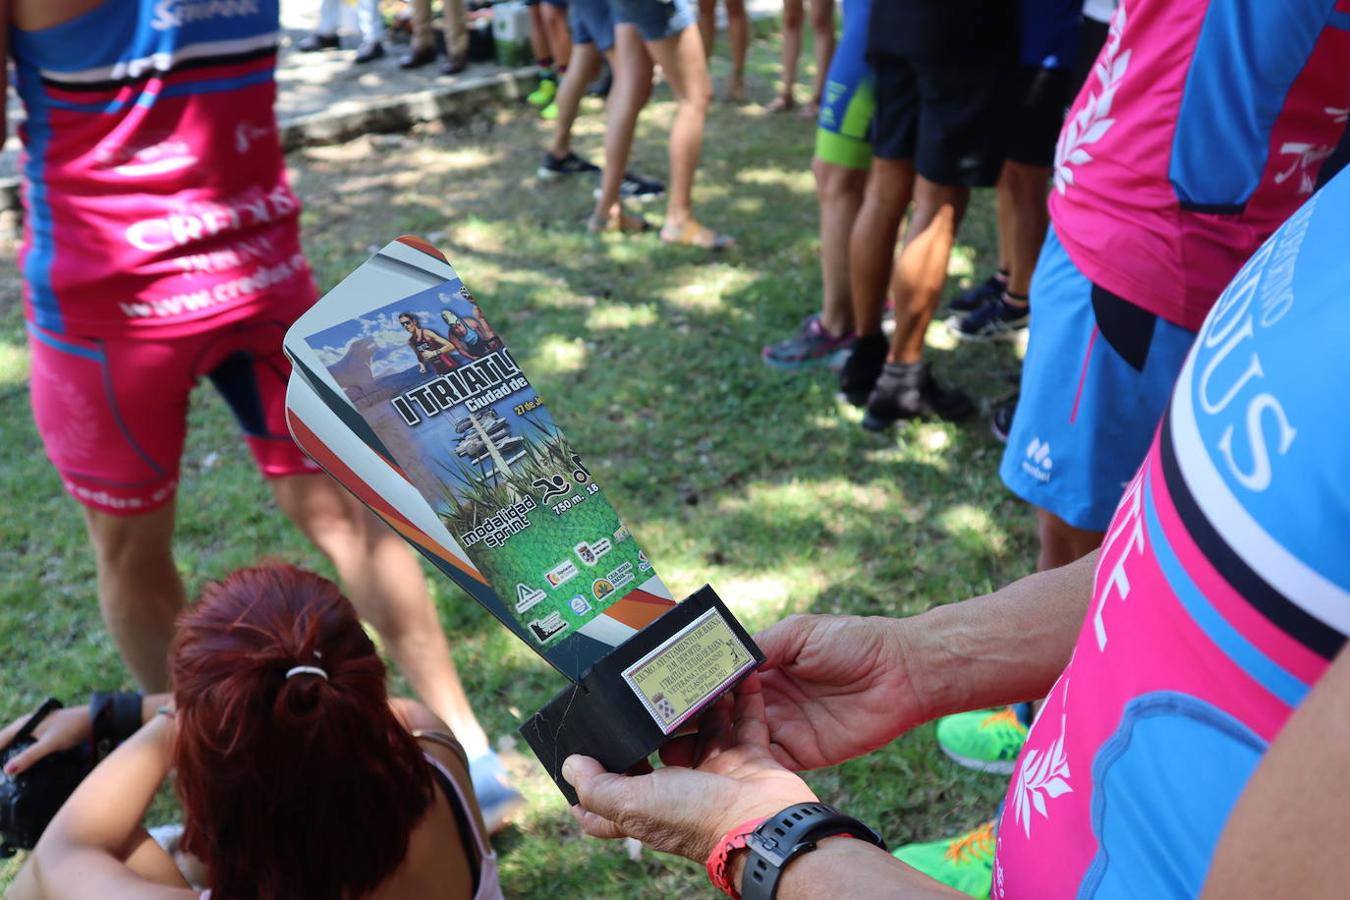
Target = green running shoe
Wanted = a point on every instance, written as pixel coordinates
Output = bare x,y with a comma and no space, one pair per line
965,863
549,112
544,94
987,740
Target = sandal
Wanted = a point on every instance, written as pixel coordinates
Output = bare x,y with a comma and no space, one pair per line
623,223
695,235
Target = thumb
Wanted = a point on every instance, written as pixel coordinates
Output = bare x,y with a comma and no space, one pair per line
595,790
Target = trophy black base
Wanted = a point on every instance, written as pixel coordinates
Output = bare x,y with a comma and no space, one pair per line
639,695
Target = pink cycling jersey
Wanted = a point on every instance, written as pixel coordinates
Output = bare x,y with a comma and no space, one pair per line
156,197
1205,124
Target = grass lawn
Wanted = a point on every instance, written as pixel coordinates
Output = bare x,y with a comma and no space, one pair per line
726,471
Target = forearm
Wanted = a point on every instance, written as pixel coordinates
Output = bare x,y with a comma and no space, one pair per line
851,868
106,809
1004,647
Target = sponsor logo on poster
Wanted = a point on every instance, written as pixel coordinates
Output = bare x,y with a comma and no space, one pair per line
527,597
602,588
642,561
579,605
621,534
620,575
548,627
585,553
600,547
562,573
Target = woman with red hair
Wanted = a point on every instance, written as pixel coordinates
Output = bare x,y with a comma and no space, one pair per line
298,776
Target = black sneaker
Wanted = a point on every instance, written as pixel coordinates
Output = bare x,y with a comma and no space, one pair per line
974,297
996,320
909,392
1001,419
368,53
863,368
571,164
312,43
638,187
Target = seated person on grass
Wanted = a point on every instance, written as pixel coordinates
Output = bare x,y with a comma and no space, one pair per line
298,776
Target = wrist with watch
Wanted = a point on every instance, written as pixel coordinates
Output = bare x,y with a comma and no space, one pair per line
771,843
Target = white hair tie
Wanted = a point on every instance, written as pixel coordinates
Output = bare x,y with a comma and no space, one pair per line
307,670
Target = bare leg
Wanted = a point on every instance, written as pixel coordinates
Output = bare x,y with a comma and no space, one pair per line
681,58
1004,212
738,32
793,18
921,270
139,591
581,71
1025,187
539,36
840,191
707,25
1062,543
822,25
559,35
872,244
627,95
388,589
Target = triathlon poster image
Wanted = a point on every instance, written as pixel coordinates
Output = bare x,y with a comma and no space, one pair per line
435,382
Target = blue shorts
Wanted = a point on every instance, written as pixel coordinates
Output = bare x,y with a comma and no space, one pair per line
1097,377
843,130
655,20
561,4
592,23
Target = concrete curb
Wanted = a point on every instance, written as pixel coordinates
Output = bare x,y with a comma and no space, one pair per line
445,103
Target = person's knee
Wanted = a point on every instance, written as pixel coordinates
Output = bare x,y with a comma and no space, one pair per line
131,544
822,18
834,181
793,16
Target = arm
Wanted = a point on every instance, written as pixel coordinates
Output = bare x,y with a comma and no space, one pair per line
687,810
1286,835
84,850
64,729
836,687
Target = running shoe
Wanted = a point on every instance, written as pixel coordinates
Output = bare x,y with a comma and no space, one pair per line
964,863
638,187
973,298
498,800
909,392
544,94
550,112
560,167
812,345
863,368
986,740
996,320
1001,419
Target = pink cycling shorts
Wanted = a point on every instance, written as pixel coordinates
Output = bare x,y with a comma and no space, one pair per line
113,412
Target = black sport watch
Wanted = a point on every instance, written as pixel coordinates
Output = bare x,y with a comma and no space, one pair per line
789,834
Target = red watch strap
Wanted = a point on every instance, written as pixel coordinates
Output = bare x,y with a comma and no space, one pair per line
717,860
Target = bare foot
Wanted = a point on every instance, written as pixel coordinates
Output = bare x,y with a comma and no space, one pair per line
810,111
781,103
735,90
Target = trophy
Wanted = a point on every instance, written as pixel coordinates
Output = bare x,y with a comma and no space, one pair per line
403,391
